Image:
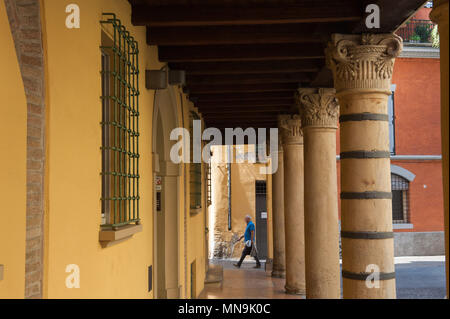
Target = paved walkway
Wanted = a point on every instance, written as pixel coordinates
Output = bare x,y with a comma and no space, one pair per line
246,283
420,277
417,278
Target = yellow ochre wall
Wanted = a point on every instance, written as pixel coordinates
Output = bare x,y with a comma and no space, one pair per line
74,165
196,238
13,139
195,223
243,177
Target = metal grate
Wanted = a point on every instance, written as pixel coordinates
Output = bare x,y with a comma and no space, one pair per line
195,170
416,31
260,187
400,199
120,125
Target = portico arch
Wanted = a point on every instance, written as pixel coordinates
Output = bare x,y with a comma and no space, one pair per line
166,208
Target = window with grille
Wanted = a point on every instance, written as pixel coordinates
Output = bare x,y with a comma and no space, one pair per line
260,187
400,199
195,170
120,126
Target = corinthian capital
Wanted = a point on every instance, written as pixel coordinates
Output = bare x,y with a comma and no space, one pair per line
318,107
291,129
363,61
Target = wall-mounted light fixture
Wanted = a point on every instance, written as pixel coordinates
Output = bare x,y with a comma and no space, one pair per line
155,79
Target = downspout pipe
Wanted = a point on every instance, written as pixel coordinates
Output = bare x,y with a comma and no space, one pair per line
229,184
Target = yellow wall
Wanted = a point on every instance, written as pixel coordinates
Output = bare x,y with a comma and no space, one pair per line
74,163
195,226
243,177
13,130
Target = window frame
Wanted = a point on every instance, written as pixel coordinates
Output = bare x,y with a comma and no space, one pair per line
391,120
401,184
195,172
120,125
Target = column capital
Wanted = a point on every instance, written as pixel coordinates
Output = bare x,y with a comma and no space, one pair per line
291,129
363,61
318,107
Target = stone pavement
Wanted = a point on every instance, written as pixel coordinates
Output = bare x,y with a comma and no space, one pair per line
418,277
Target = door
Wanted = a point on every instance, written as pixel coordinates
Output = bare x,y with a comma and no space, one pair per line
261,218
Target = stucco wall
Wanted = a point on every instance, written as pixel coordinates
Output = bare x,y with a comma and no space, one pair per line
74,157
419,244
243,177
13,139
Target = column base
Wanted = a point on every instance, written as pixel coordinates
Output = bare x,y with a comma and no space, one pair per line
294,291
279,273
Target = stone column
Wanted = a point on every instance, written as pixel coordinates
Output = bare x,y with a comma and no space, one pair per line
439,14
362,67
279,256
292,139
319,115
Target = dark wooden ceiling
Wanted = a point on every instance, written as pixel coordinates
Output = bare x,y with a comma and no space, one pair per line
244,59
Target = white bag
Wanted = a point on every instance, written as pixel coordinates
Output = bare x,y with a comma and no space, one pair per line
248,243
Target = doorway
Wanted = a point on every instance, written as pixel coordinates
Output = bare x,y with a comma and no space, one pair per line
261,218
166,199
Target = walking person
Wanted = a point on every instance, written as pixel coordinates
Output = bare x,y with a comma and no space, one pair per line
250,246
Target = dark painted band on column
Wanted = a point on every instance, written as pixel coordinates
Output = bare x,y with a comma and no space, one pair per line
365,154
363,117
366,235
363,275
366,195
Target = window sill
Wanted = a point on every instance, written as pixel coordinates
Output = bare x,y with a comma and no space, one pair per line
109,237
402,226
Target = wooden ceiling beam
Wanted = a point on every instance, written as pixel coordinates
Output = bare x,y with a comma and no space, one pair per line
243,126
248,78
243,103
241,96
249,67
269,116
236,123
232,88
323,78
201,15
246,34
245,119
242,52
243,110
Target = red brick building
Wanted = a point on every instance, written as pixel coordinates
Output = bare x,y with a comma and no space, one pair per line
416,161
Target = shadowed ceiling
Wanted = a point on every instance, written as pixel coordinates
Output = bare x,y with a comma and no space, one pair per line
244,59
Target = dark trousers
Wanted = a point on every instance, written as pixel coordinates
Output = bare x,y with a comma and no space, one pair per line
245,252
